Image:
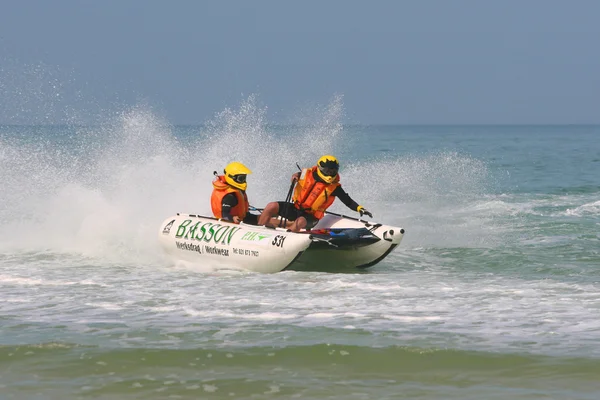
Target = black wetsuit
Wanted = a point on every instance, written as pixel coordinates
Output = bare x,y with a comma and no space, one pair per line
229,201
291,213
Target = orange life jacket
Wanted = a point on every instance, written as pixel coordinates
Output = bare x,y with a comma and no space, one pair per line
312,196
221,189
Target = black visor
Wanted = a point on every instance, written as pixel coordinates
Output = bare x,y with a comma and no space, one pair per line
240,178
328,171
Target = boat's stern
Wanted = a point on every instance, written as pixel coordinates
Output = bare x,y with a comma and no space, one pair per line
221,244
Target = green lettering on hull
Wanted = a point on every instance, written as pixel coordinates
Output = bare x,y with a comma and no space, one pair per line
207,232
182,228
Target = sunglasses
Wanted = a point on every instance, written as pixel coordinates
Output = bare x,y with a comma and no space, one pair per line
328,171
240,178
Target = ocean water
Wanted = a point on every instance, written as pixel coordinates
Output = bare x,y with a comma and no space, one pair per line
494,292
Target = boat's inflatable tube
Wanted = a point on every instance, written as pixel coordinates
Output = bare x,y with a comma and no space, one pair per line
336,243
222,244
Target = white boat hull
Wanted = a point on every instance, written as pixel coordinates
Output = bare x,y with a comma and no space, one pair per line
220,244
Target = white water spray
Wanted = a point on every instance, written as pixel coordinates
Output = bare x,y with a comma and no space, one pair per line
102,191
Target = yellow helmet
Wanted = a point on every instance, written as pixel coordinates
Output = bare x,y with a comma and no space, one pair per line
235,175
328,167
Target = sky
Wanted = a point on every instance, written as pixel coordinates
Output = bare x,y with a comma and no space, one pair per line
404,62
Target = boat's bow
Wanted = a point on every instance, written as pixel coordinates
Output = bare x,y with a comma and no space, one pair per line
341,243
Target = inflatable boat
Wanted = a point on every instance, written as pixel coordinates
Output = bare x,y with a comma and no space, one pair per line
337,243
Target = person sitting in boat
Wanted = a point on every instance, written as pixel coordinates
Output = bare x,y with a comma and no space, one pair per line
229,200
315,191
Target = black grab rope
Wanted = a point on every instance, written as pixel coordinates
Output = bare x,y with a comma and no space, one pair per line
288,200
